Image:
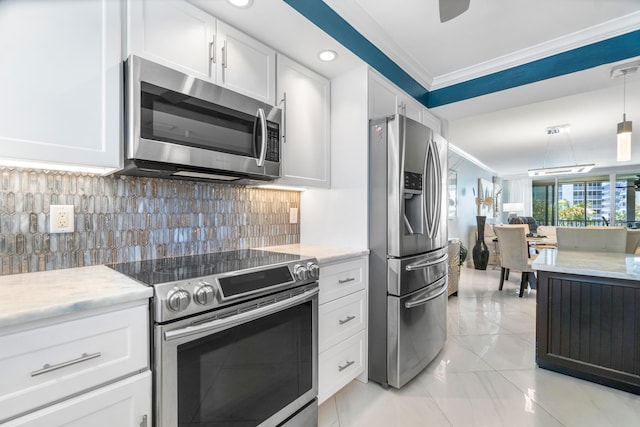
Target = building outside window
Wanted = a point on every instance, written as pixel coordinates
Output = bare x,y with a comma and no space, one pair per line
587,201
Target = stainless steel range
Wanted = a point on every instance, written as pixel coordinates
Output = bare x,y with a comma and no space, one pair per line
235,338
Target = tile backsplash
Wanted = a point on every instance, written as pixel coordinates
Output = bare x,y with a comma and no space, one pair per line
130,218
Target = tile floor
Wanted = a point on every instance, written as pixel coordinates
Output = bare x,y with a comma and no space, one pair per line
486,375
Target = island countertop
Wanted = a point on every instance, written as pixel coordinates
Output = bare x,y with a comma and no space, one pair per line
597,264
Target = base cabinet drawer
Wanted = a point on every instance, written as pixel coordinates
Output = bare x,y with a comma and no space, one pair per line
341,318
47,364
126,403
340,365
344,278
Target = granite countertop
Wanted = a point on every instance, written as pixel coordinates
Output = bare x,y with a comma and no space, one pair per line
596,264
48,294
324,254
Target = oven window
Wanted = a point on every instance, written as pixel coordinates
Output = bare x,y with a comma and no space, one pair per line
244,375
171,116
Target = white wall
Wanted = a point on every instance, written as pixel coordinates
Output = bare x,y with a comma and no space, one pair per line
338,216
468,174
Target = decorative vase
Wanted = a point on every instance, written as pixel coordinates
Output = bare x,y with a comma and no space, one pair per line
480,251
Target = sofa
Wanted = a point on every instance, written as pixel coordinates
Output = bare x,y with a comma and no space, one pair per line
529,220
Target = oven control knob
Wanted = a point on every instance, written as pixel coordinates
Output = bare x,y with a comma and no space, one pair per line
204,293
301,272
178,299
314,270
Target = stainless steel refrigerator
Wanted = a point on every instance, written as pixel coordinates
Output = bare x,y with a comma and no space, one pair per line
408,244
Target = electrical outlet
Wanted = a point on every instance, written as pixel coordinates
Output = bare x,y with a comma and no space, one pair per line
61,219
293,215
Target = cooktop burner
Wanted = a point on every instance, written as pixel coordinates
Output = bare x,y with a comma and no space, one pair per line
163,270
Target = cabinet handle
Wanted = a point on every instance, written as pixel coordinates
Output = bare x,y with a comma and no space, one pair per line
144,421
283,102
347,280
212,49
345,366
348,319
48,368
224,54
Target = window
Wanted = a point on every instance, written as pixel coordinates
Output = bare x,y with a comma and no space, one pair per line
627,201
579,202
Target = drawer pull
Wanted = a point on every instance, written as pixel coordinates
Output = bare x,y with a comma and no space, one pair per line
349,363
48,368
348,319
347,280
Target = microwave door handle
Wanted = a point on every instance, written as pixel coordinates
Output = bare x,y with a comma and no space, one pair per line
263,133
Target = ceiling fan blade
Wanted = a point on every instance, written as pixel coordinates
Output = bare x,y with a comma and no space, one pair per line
449,9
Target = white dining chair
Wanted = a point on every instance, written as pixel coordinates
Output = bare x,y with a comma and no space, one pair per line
514,255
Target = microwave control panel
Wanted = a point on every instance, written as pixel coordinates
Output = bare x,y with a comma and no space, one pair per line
273,142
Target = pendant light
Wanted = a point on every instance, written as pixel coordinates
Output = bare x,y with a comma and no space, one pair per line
560,170
624,127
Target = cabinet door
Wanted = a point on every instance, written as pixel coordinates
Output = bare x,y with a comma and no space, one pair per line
126,403
49,363
246,65
60,80
410,108
173,33
306,142
383,99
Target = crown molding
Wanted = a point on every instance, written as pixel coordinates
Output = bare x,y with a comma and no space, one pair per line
606,30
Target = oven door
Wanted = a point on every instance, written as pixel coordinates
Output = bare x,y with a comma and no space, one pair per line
254,364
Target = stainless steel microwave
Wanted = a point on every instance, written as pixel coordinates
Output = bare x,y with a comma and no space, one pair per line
178,126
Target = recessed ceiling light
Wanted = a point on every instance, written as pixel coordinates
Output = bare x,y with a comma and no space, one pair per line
327,55
241,3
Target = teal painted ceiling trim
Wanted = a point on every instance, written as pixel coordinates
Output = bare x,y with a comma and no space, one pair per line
599,53
331,23
582,58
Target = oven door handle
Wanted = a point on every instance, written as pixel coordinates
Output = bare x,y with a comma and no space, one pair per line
238,319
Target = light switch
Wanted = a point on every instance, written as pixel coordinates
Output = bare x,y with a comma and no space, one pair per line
293,215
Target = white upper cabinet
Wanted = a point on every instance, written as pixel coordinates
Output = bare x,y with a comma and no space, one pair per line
306,135
61,83
179,35
385,99
173,33
246,65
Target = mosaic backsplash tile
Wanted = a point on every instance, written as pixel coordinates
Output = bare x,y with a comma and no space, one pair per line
121,219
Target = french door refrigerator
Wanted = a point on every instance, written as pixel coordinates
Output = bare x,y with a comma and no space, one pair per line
408,248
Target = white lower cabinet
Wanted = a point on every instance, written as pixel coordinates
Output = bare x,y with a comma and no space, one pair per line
83,365
342,327
126,403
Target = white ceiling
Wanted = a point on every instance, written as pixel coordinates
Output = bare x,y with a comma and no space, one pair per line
504,130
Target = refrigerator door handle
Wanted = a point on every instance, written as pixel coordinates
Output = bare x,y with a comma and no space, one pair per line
430,296
422,266
433,175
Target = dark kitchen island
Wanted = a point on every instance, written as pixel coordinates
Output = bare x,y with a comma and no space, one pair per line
588,316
